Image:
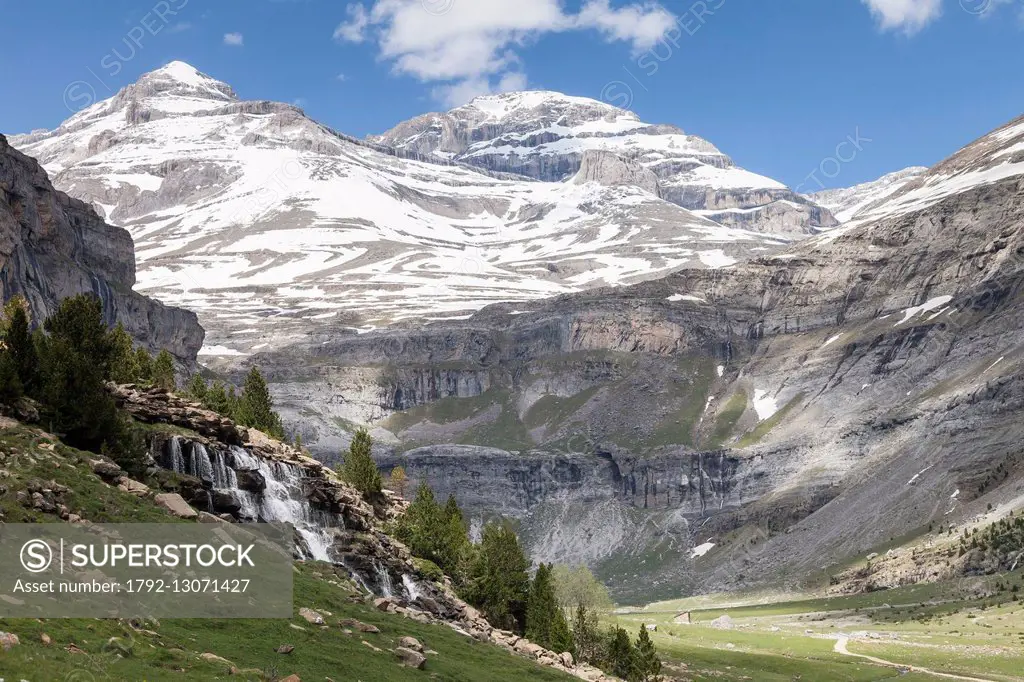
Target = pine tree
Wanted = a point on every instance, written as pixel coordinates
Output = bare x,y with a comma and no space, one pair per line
74,361
648,665
359,469
216,399
561,638
585,636
499,584
124,368
398,481
256,406
11,388
163,371
144,365
452,546
20,345
622,656
539,609
197,389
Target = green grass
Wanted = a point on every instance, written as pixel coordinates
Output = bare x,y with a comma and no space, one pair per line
29,458
762,429
727,419
444,411
934,626
553,411
171,650
695,377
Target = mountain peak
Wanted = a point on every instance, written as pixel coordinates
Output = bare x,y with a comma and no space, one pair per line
179,78
500,105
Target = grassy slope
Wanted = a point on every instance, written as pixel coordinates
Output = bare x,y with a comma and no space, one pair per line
170,651
938,626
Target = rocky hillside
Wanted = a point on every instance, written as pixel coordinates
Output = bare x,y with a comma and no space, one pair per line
204,468
273,227
785,412
53,246
547,135
848,203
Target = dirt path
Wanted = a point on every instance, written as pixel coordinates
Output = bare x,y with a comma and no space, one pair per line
840,648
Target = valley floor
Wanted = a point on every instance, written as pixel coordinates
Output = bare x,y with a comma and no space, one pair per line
972,629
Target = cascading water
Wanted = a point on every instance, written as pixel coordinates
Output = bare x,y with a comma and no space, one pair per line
412,590
280,498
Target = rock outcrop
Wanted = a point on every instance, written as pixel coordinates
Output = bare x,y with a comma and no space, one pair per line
607,168
53,246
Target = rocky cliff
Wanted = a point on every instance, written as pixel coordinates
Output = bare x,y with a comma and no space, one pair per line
548,136
861,385
53,246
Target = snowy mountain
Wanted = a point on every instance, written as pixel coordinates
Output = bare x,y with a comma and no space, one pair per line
847,202
272,226
988,160
544,135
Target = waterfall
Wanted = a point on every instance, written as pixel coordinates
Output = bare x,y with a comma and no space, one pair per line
283,500
387,588
412,590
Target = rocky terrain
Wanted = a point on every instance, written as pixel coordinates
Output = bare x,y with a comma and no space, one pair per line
848,203
856,387
53,246
226,473
758,421
274,228
548,136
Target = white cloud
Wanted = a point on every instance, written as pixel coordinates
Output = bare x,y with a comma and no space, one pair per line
910,16
470,45
179,27
354,29
234,39
460,92
341,78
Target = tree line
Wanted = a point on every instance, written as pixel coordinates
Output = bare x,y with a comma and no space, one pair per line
63,366
558,608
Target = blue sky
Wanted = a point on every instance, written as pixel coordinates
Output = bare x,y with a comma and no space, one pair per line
777,85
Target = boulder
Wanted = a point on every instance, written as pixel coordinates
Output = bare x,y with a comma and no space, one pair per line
207,517
106,469
410,658
290,678
133,487
8,640
214,658
176,505
285,649
252,481
311,616
410,643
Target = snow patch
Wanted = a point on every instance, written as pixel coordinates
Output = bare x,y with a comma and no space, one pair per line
764,405
925,307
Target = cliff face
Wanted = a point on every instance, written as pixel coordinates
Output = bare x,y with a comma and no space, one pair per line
53,246
864,384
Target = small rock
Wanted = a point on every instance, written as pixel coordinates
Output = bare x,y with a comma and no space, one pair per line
214,658
45,639
176,505
367,644
8,640
290,678
410,658
285,649
566,658
207,517
410,643
311,616
106,469
133,487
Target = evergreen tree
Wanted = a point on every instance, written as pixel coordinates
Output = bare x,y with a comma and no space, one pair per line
197,389
163,371
648,665
143,365
538,609
418,526
585,636
499,584
622,656
398,481
74,359
11,388
20,345
124,368
298,441
256,407
561,638
452,548
359,469
216,399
